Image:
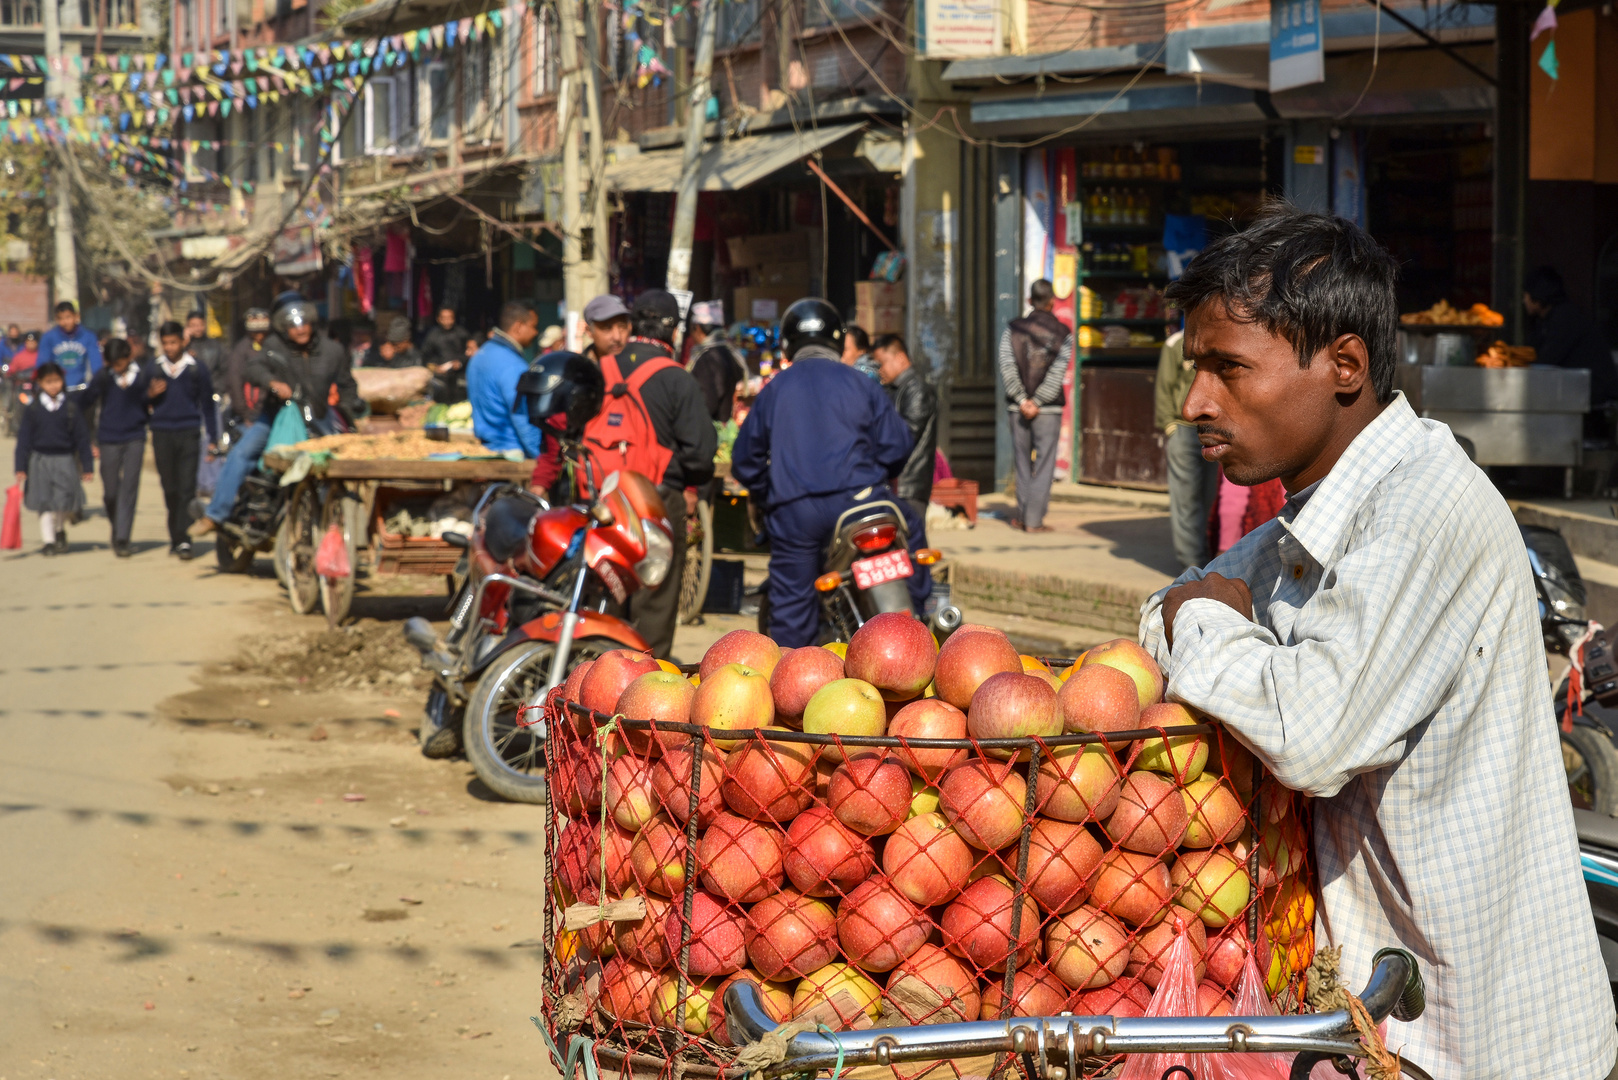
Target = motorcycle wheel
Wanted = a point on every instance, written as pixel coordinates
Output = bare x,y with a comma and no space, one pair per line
337,594
510,760
302,527
233,555
698,563
1591,762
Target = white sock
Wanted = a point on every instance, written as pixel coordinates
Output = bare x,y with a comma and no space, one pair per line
47,526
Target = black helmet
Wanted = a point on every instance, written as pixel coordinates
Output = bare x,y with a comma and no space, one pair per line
656,314
563,382
293,312
811,321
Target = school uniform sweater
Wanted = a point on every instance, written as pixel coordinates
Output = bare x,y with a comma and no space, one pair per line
123,408
53,431
186,403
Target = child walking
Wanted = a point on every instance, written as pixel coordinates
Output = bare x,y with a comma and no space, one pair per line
182,401
123,388
53,433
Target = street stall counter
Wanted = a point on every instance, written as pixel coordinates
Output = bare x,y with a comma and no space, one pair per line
1505,416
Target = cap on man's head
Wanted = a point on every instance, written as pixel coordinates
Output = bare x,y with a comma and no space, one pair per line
399,331
550,338
257,321
605,308
657,303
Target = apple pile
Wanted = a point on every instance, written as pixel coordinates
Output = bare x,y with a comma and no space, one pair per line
851,881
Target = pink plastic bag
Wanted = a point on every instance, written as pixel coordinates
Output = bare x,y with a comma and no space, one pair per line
11,528
331,559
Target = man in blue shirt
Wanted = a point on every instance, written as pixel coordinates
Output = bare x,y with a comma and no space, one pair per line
72,345
820,434
499,418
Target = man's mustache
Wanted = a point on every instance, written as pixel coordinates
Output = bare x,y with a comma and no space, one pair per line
1207,433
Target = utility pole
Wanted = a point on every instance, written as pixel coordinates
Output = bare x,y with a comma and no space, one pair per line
696,121
597,255
67,270
566,108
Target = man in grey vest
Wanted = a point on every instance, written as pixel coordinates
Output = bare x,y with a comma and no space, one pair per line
1035,352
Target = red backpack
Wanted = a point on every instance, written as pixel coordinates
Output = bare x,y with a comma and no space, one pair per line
621,436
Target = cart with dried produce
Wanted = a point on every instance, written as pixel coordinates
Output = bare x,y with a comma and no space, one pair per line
397,502
896,859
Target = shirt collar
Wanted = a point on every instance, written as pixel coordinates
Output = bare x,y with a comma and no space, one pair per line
53,403
1319,515
127,379
173,370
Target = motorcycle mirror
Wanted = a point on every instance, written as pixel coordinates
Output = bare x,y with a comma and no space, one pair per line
601,514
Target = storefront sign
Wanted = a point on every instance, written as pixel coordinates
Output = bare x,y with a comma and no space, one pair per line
1297,45
955,29
296,252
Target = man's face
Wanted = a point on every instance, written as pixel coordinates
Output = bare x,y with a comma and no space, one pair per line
173,347
851,349
890,364
67,321
195,328
120,365
524,331
387,349
446,319
300,334
50,385
1258,414
13,331
1532,306
611,336
256,335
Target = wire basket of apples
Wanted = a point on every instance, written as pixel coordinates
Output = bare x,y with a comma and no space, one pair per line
897,834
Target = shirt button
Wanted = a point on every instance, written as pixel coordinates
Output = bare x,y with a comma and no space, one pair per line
1297,571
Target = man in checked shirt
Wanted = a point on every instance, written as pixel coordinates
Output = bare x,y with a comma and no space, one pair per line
1377,645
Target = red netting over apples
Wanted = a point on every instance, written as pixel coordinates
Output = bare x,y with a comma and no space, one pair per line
908,836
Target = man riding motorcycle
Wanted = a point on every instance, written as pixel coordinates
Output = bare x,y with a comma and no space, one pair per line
819,434
298,364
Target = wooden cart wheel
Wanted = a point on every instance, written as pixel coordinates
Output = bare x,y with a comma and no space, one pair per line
698,563
343,509
303,538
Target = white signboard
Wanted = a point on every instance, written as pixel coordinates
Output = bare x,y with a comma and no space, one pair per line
1297,44
957,29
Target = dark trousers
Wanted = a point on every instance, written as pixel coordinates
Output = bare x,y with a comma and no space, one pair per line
120,484
1193,483
654,612
799,531
921,581
177,454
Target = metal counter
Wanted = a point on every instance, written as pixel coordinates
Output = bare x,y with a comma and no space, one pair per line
1505,416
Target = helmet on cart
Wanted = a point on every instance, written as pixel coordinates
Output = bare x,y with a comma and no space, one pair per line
563,383
811,321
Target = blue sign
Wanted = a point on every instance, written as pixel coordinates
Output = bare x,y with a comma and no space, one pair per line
1297,45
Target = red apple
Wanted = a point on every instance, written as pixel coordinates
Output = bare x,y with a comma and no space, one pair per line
790,934
1212,884
978,925
1227,952
1150,817
1211,1000
718,936
870,793
929,718
796,678
894,653
658,857
1121,997
1179,756
777,999
878,927
932,987
984,801
620,872
570,685
661,696
1133,661
825,857
733,698
966,660
1086,948
1034,992
643,941
978,628
740,860
575,779
628,795
699,1002
610,676
1132,887
1099,698
845,707
928,861
1012,705
627,989
578,859
772,781
671,779
746,647
1078,783
1151,949
1062,862
1215,815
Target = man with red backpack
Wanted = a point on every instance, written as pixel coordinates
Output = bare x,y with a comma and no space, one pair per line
654,421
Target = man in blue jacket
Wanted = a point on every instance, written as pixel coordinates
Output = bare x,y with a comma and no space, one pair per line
819,437
499,419
72,345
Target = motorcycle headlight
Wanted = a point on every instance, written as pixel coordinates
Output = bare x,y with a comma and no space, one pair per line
659,555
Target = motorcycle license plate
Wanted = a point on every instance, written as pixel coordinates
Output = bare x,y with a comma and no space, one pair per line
889,566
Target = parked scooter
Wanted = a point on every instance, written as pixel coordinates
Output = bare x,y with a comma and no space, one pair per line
867,572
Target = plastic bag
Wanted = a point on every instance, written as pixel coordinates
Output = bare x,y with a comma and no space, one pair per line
331,558
288,427
11,528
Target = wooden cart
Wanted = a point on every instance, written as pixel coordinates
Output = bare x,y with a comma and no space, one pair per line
357,496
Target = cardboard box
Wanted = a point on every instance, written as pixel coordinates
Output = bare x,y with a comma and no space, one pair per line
875,294
880,320
791,275
762,250
748,308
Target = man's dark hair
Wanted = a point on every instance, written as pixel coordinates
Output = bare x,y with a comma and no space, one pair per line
197,315
513,312
1544,286
889,341
115,350
65,305
171,329
1041,293
862,340
1308,278
49,367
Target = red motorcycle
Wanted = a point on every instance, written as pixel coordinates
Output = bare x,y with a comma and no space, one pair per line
544,591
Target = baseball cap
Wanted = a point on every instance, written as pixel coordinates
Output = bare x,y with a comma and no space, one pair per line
258,320
399,331
659,304
604,308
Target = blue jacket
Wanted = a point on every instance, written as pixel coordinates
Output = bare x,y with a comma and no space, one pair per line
499,419
818,428
79,353
186,403
123,409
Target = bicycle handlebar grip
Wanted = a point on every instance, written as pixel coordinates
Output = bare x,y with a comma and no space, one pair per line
1413,998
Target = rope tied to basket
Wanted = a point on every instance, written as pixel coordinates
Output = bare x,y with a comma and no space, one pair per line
771,1047
1326,994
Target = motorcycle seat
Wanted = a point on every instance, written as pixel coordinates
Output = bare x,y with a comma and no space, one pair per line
1597,829
505,526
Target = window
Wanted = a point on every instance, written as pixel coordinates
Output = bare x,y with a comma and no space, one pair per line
348,121
438,102
738,23
546,52
381,116
475,89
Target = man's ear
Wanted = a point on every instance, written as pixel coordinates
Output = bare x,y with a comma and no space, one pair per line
1351,363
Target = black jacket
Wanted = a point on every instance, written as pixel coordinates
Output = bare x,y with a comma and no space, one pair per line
440,346
244,396
918,405
678,413
210,353
311,371
717,371
1568,338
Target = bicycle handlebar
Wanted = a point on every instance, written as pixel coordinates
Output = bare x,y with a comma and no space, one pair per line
1056,1044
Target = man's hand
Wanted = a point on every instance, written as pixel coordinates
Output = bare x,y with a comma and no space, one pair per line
1232,592
281,390
87,477
1029,408
690,503
22,478
157,387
